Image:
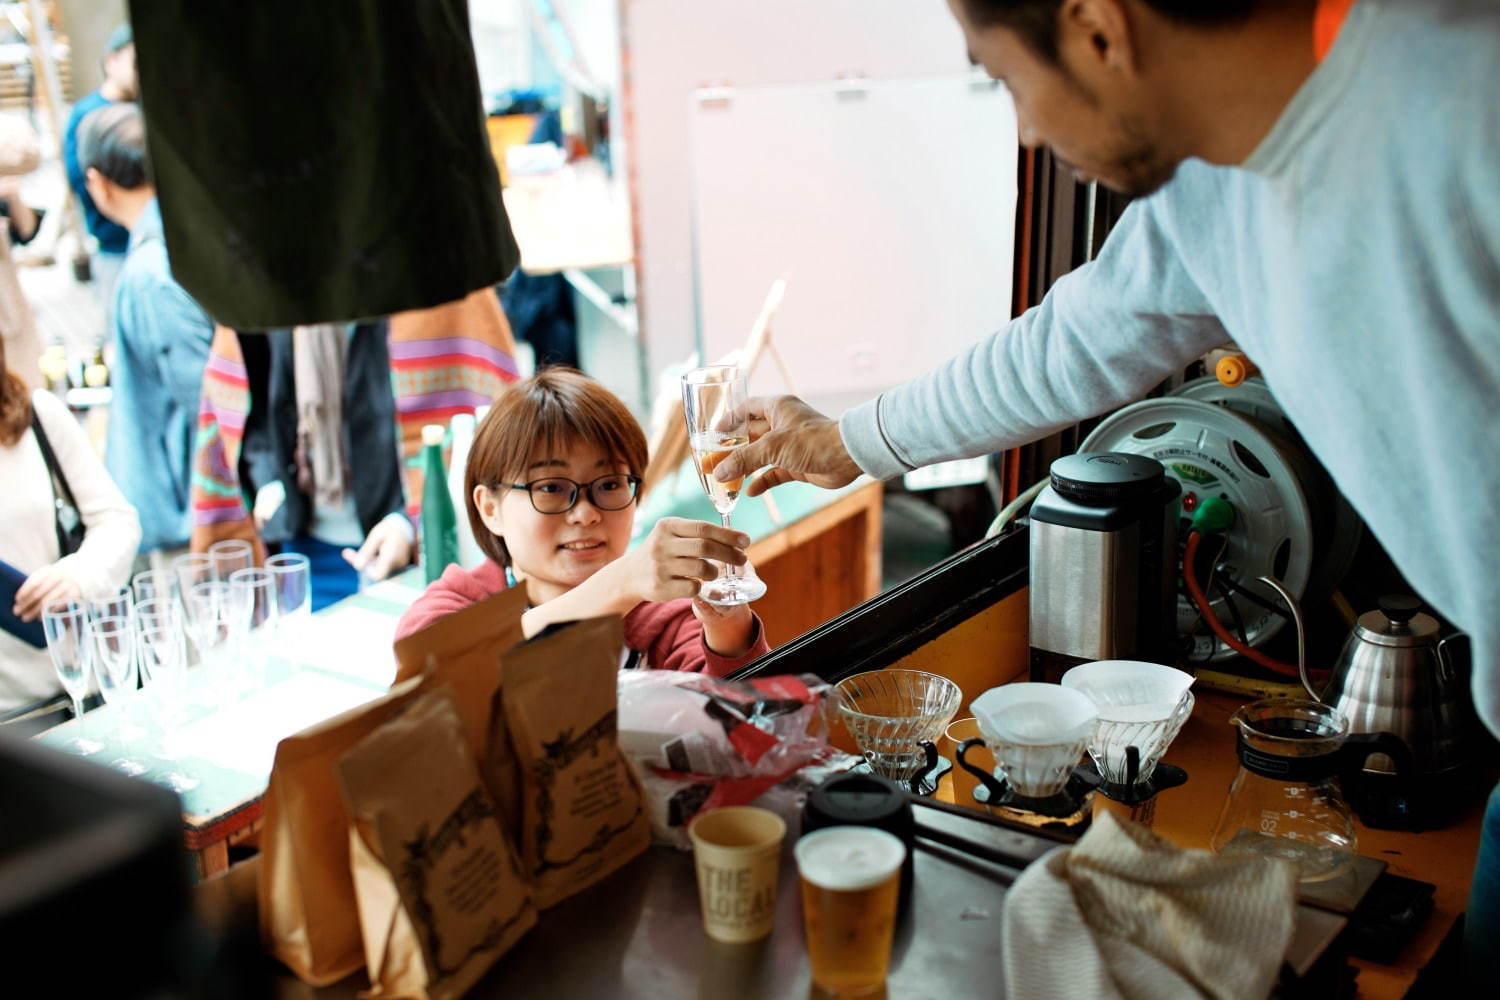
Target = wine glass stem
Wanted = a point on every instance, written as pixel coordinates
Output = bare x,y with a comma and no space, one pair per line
731,571
77,706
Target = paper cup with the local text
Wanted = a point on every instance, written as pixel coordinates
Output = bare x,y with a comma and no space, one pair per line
737,854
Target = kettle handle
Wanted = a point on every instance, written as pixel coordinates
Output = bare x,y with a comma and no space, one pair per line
1362,746
1446,668
1291,602
995,788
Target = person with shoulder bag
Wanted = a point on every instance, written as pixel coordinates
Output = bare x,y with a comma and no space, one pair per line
68,531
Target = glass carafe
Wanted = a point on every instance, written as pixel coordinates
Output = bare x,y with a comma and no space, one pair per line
1286,801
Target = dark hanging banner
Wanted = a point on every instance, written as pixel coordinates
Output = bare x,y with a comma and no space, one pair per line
320,162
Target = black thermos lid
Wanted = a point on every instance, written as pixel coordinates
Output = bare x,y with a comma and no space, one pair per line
861,799
1106,477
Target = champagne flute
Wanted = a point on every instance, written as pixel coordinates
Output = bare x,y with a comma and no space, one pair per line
153,585
252,597
63,623
291,577
191,569
713,400
111,643
159,636
116,603
210,623
230,556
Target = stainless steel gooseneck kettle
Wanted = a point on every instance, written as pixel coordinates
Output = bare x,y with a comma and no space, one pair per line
1396,675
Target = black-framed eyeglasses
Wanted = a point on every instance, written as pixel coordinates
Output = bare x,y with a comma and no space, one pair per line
556,495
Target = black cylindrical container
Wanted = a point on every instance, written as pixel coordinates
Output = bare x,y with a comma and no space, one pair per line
855,799
1103,548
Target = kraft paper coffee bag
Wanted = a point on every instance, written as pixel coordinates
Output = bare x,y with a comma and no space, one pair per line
308,917
582,811
440,891
464,649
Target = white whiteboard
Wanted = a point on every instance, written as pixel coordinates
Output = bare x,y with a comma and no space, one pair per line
890,206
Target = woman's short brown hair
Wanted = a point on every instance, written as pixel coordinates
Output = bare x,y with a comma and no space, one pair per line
15,403
555,407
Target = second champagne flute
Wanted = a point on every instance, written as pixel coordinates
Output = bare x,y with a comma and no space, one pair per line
64,623
229,556
713,400
111,643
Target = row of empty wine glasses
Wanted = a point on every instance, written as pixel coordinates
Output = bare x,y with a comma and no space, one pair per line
137,635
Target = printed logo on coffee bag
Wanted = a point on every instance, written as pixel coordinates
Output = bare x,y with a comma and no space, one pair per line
464,872
583,814
598,788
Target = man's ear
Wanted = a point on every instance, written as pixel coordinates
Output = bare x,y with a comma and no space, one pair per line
1096,37
97,186
487,502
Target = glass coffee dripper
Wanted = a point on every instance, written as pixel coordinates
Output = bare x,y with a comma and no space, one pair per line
892,712
1286,801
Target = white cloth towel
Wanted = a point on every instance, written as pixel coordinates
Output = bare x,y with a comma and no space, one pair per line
1125,914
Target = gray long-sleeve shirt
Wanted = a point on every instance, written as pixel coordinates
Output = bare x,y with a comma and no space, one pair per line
1355,257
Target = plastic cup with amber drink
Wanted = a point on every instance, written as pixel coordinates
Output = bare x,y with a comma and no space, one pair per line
851,877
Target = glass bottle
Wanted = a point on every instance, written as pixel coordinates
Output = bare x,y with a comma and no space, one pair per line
96,372
439,523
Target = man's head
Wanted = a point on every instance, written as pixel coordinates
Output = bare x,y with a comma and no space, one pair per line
119,65
112,152
1087,77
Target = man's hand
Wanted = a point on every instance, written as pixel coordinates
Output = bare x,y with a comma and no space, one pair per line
387,548
48,584
796,441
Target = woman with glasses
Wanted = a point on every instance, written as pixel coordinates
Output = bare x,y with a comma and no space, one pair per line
551,490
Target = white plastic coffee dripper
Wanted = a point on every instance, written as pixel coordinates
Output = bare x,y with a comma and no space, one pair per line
1141,705
1037,733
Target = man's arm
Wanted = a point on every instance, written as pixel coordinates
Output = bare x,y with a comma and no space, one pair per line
1102,337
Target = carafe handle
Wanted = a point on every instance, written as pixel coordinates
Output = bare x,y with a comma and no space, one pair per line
993,788
1362,746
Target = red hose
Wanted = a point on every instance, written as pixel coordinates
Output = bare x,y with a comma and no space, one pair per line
1195,592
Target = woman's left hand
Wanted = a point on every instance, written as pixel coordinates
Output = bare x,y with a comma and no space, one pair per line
728,630
50,583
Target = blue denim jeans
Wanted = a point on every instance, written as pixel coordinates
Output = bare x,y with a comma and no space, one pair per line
1482,921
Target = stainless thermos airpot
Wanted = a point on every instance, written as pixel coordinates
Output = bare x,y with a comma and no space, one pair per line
1103,563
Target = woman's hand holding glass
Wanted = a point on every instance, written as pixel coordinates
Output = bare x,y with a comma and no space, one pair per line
675,559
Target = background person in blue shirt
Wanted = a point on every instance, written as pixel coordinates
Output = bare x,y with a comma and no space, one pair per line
120,84
160,336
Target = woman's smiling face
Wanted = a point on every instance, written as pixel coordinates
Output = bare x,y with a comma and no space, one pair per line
557,552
